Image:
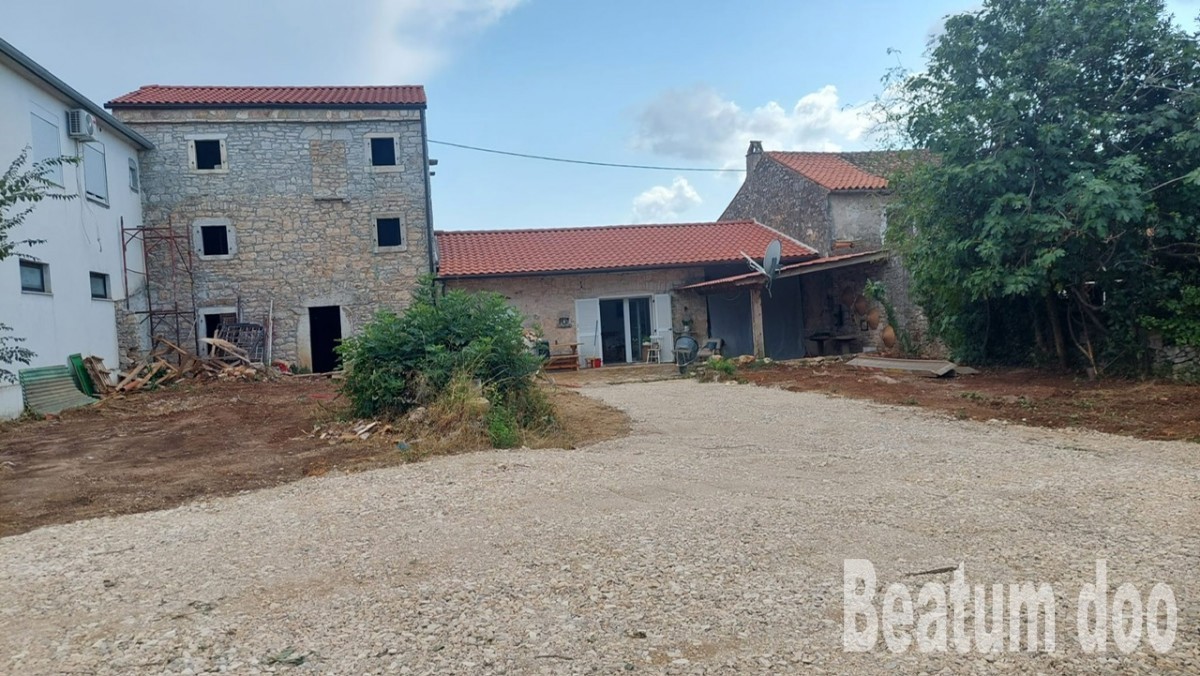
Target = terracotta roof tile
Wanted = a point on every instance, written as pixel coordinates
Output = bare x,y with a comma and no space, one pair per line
834,171
466,253
333,97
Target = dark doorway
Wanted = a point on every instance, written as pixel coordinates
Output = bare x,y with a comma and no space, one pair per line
612,331
212,322
325,332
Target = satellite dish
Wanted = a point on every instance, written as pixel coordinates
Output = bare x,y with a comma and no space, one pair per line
770,265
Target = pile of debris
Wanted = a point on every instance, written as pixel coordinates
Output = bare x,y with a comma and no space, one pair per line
359,430
168,363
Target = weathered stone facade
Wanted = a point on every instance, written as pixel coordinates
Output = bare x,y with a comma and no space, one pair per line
546,299
301,199
1179,362
781,198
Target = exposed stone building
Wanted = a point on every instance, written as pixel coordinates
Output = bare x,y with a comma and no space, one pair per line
836,203
304,209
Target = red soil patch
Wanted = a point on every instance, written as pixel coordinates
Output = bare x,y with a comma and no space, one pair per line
1146,409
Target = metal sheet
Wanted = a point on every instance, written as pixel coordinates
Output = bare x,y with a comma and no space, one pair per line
50,389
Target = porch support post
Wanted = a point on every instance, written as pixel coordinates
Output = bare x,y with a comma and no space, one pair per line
756,322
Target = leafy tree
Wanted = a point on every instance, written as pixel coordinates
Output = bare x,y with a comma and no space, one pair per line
1062,215
20,191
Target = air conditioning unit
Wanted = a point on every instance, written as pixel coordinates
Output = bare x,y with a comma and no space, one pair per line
81,125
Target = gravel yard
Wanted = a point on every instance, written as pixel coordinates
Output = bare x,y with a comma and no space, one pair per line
711,539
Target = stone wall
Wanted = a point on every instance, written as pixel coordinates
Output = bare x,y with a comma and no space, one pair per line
780,198
545,299
301,199
858,217
1180,362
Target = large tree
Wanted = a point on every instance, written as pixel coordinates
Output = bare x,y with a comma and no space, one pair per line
1062,215
21,188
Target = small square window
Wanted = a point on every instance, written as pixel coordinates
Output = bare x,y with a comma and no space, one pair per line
383,152
100,285
35,277
388,232
214,240
135,182
208,154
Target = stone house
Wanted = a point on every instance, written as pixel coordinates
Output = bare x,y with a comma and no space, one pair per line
303,209
837,204
609,290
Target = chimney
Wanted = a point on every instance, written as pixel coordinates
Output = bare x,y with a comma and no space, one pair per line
753,155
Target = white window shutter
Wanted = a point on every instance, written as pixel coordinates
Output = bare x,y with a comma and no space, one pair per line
192,155
663,331
224,158
587,327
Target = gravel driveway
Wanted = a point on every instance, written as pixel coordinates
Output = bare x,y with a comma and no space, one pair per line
711,540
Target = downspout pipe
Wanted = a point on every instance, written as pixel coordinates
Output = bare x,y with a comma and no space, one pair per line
430,240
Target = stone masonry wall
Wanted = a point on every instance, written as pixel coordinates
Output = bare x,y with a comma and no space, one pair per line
858,217
1180,362
301,199
543,300
780,198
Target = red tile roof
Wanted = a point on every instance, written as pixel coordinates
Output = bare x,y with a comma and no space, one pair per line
834,171
218,97
812,265
466,253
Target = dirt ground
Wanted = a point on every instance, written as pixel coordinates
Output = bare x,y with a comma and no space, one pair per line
156,450
1143,409
713,539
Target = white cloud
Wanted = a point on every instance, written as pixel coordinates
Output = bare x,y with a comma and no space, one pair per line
698,124
663,204
411,39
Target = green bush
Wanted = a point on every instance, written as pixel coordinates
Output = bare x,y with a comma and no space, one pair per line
502,428
402,361
723,366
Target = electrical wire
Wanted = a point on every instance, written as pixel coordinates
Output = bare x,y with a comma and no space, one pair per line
587,162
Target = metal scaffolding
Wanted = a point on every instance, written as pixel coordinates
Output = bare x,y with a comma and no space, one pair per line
167,267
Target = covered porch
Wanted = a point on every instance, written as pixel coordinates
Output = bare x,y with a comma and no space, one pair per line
813,308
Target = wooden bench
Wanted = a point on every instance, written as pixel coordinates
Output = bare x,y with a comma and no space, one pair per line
564,361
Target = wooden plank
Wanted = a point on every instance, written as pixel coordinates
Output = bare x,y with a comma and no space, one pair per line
131,376
933,368
141,382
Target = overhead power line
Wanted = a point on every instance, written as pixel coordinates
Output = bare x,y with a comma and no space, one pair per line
571,161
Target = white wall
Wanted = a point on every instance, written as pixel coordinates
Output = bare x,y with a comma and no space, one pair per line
81,236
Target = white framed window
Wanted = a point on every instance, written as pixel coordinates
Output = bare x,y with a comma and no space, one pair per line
383,152
47,144
389,233
214,238
100,288
95,172
135,177
207,154
35,277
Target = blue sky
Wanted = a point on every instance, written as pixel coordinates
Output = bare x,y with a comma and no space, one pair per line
662,82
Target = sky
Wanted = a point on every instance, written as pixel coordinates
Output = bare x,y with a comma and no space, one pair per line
677,83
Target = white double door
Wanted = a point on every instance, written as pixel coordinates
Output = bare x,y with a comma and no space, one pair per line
589,331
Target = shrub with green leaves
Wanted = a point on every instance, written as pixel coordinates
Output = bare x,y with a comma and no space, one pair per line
398,362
